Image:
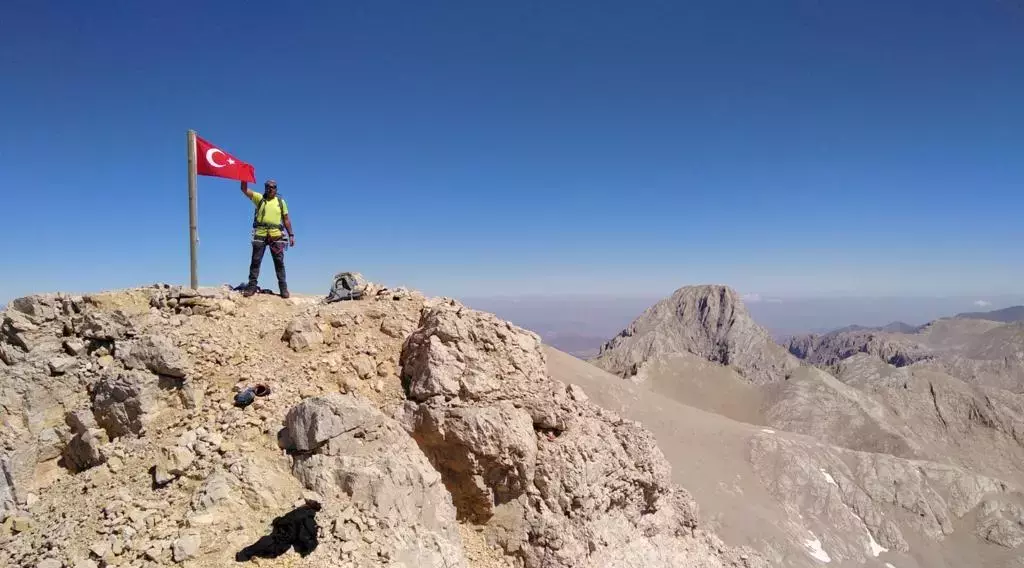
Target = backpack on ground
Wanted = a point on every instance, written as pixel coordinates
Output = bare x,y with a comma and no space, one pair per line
347,286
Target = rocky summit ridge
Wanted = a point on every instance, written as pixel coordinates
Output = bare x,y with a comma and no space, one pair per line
416,431
408,431
976,347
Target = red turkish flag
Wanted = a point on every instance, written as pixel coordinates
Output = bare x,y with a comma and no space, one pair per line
212,161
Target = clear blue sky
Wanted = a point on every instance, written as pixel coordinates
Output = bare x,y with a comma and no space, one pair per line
475,148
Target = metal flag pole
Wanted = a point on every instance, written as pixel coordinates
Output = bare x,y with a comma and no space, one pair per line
193,212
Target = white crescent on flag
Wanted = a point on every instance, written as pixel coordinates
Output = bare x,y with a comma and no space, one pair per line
212,161
209,157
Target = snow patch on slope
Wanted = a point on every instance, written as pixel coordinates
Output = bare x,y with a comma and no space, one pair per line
876,548
815,550
829,478
873,545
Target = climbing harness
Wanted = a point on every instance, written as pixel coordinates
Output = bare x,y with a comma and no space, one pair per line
257,223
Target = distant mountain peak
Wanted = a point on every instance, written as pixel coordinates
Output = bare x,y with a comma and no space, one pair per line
1006,315
891,327
709,321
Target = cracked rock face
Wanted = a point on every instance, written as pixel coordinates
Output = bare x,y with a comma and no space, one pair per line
156,353
977,351
7,496
317,421
302,334
555,480
829,349
489,454
348,451
123,402
458,352
843,492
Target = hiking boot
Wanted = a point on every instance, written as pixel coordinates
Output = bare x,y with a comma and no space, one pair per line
285,294
249,292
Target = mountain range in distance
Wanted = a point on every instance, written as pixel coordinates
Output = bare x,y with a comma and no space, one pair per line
579,325
895,446
1006,315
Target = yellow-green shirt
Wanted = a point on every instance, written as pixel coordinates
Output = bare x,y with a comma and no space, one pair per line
272,214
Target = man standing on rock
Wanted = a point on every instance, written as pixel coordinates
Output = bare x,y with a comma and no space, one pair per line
270,218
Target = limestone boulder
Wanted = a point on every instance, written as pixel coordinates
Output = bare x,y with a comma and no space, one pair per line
85,449
302,334
44,307
172,463
61,364
122,402
347,451
155,353
104,326
487,454
461,352
186,546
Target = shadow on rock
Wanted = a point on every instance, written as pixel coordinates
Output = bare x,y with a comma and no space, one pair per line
297,528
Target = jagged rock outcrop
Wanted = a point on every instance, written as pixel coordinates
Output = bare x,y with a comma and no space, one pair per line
555,480
105,326
302,334
827,350
977,351
85,448
708,321
458,352
489,454
59,357
38,381
816,404
1001,523
211,302
156,353
7,491
124,401
975,426
891,500
350,453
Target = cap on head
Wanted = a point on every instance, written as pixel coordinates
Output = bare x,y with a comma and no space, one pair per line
270,184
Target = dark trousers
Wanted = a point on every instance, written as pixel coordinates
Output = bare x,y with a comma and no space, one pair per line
259,246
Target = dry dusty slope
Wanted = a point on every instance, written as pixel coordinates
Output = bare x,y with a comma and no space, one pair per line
430,434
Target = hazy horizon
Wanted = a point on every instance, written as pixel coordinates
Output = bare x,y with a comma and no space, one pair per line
604,315
581,323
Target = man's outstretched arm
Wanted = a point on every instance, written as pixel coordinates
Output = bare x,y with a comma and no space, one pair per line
245,189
